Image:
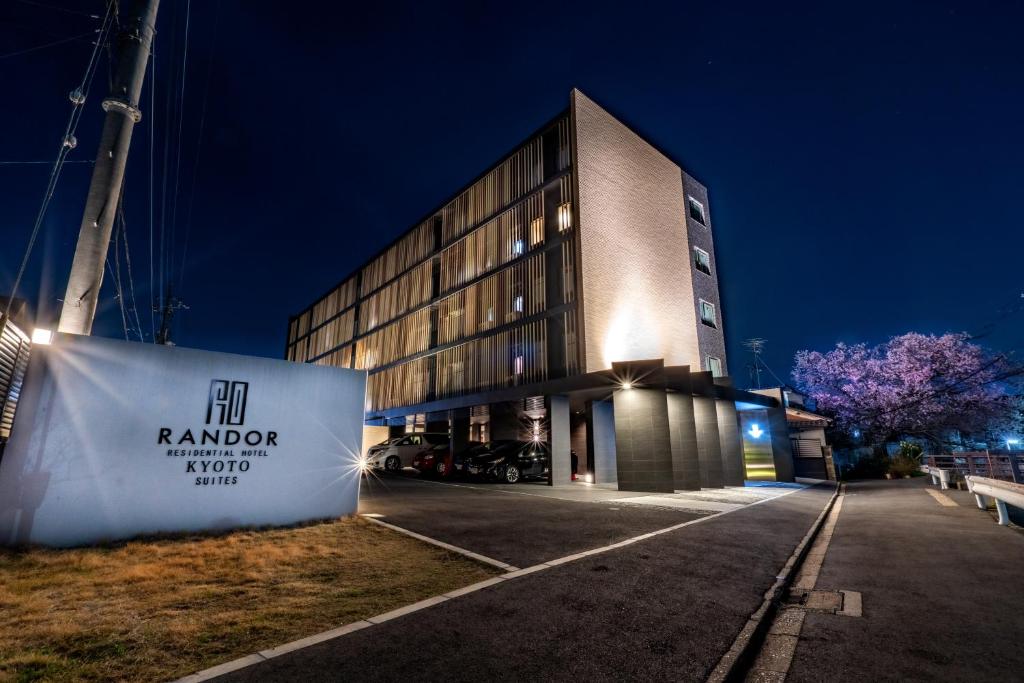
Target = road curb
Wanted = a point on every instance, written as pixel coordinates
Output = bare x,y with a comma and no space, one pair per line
735,663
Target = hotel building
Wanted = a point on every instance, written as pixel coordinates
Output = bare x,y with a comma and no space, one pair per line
569,293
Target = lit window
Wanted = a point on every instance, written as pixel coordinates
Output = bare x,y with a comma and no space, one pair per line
564,217
536,231
517,365
490,314
707,313
518,247
714,366
517,304
702,260
697,211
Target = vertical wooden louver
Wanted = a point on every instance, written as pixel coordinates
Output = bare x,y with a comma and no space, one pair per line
474,317
513,178
14,352
500,240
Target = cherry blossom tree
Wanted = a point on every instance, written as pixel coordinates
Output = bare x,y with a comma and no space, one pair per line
912,385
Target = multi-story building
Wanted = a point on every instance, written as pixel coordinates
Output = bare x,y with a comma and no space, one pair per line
525,304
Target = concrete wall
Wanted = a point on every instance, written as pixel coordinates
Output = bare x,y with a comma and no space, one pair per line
108,443
558,420
578,440
711,340
685,452
730,443
643,447
709,448
635,267
602,435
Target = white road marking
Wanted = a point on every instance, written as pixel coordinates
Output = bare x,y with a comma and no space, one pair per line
942,499
512,574
441,544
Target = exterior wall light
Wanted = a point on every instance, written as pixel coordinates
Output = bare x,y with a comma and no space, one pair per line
627,385
42,336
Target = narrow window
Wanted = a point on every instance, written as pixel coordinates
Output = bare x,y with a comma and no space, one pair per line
564,217
536,231
702,260
517,365
518,247
517,303
714,366
707,313
697,211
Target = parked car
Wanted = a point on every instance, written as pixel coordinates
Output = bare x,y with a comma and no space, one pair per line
509,461
439,461
397,453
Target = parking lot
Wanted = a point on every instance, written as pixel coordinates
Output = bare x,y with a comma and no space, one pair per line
665,607
525,524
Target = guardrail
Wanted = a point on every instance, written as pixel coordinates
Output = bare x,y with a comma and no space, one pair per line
1003,492
997,465
939,476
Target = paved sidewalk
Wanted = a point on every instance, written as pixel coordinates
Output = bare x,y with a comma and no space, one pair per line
942,587
664,608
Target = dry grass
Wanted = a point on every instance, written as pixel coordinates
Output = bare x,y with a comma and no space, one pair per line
160,609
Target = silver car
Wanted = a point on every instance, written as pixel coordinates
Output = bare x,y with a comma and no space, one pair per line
398,453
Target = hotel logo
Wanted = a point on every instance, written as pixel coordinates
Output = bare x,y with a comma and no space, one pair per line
227,402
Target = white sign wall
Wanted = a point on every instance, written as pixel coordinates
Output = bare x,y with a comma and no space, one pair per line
116,439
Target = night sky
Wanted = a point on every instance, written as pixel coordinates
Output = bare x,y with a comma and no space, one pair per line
865,163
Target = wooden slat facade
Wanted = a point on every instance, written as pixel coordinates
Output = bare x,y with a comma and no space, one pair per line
461,282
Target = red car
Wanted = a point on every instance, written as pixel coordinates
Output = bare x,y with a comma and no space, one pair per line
435,461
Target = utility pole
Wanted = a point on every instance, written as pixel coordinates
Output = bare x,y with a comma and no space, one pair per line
122,107
171,306
756,346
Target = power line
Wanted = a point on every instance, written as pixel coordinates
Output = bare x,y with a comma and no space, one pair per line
177,154
58,9
68,142
45,45
199,147
128,264
152,163
66,161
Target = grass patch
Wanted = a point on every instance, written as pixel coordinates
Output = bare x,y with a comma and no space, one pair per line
161,609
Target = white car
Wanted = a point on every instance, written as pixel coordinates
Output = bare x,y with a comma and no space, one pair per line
398,453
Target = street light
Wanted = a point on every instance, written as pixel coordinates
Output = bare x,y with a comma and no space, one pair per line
1010,443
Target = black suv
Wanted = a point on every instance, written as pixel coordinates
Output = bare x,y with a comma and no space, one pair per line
508,461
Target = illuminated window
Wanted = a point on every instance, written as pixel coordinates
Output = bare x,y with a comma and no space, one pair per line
696,211
517,304
536,231
517,365
707,313
564,217
714,366
702,260
518,247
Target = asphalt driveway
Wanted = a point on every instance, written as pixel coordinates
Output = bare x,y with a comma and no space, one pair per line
521,525
942,592
663,608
